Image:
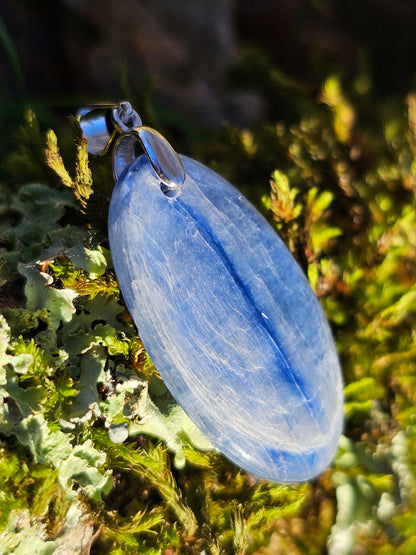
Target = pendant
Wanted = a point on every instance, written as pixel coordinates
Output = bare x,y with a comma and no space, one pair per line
223,309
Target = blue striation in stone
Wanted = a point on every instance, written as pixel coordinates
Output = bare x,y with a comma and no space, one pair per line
229,320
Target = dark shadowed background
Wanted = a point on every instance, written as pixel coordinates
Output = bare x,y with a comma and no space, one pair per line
202,59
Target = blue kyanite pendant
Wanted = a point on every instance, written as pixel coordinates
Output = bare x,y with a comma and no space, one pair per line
226,315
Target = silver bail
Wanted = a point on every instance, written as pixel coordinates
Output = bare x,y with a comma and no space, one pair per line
101,123
106,124
96,125
162,157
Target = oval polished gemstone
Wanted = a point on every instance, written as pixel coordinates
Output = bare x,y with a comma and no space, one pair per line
229,320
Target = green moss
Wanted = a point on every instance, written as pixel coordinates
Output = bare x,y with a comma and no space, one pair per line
90,435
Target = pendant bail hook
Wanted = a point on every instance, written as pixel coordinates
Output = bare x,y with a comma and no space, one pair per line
102,123
120,126
125,118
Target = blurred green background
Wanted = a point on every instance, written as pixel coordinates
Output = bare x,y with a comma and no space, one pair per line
309,107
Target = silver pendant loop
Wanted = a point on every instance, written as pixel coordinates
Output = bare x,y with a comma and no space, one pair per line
96,127
118,126
125,118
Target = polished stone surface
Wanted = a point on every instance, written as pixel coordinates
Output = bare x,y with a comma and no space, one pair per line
229,320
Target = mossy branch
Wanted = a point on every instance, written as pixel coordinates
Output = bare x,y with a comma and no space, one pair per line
81,184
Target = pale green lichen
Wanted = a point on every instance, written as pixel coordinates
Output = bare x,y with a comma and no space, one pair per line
90,436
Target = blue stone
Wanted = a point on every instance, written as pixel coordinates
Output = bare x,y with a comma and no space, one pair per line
229,320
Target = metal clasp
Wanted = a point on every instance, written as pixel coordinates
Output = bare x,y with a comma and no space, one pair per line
118,127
